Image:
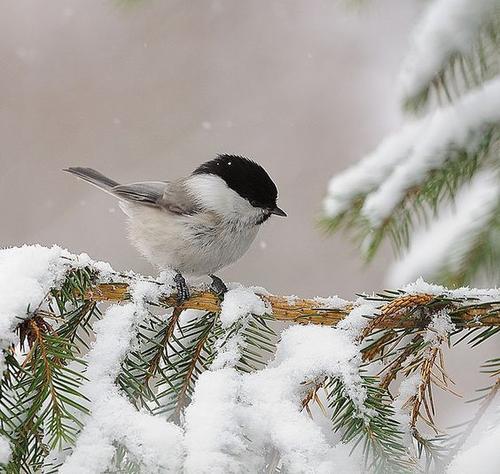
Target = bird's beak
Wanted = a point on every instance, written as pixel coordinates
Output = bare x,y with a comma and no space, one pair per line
278,212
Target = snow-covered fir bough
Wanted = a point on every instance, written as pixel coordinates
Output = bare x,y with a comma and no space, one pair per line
145,385
432,188
435,179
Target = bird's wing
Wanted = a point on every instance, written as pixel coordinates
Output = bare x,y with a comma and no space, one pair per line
145,192
177,199
168,196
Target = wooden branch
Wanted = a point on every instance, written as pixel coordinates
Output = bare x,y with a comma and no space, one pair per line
402,312
399,313
301,310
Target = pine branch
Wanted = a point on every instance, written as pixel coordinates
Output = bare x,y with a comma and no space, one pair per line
47,395
396,365
403,311
376,431
189,352
460,70
39,405
422,202
478,255
424,392
141,366
187,385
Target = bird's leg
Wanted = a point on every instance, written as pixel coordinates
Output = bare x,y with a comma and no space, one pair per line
218,286
183,293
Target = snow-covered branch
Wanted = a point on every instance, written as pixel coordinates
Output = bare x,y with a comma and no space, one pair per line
448,29
456,241
405,160
470,308
208,386
451,75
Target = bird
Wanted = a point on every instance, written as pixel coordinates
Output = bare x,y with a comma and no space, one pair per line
198,224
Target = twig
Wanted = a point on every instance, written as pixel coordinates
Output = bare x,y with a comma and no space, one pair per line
396,365
156,359
424,393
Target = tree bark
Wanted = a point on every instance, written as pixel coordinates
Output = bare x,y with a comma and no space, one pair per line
403,312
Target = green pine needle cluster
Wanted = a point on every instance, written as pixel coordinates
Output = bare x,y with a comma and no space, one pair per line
375,431
41,399
462,70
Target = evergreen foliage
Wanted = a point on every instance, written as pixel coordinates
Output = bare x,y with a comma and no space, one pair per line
456,155
42,404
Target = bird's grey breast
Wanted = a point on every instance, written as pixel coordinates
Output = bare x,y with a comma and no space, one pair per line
214,243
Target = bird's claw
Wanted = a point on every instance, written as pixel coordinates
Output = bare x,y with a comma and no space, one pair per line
183,292
218,286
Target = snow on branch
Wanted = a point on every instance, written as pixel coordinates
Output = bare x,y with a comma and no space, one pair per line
449,127
155,443
370,172
450,242
331,311
449,28
406,160
206,386
411,172
416,174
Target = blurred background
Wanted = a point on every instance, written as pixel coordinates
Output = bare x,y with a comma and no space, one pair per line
149,90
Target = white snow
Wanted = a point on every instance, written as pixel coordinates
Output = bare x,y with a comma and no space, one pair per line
371,171
407,389
480,295
215,439
291,300
452,126
5,450
330,302
448,27
27,273
262,410
483,456
358,318
152,441
239,303
439,328
448,239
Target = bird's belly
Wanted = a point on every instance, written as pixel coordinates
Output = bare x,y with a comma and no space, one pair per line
192,245
211,248
156,234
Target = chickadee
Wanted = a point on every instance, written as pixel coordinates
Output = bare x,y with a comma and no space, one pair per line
198,224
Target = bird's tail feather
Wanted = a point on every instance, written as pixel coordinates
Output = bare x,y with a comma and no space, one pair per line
94,177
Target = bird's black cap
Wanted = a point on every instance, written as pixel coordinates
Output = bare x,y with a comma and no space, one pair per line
247,178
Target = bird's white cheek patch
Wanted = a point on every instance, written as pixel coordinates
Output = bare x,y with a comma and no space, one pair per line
213,193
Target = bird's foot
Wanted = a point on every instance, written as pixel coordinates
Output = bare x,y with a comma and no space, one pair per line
183,292
218,286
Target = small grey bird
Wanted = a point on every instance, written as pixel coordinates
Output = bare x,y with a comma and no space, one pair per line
198,224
